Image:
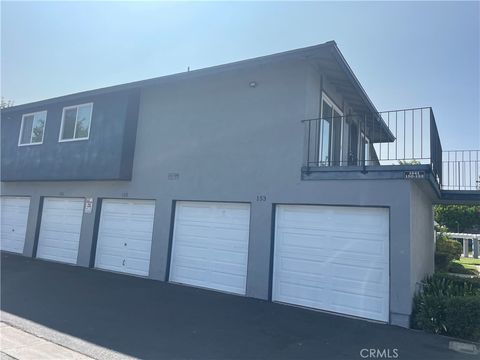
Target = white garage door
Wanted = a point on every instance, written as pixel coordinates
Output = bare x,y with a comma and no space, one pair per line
210,245
333,258
60,229
14,216
125,236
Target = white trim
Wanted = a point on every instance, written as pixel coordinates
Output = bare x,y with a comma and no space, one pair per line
75,128
364,140
31,132
331,103
463,236
342,119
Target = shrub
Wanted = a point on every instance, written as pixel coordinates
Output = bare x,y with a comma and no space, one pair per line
449,286
451,247
474,282
442,260
462,317
449,305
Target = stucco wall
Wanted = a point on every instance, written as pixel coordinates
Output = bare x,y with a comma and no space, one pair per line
228,141
421,240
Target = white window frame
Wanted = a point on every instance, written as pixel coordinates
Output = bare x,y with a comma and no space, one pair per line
364,141
337,109
31,133
75,128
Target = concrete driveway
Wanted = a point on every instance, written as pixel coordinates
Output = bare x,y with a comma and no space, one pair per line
155,320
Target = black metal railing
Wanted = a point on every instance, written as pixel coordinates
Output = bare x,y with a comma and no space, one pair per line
461,170
397,137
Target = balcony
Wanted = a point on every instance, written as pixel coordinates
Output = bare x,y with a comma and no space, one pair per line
390,144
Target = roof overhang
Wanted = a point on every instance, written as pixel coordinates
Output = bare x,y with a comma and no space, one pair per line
332,63
326,55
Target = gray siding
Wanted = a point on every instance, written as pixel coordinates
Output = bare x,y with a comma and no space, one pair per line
107,154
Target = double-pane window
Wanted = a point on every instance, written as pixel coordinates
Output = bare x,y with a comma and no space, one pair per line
76,122
32,128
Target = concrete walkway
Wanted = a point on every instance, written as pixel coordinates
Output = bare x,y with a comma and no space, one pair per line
18,344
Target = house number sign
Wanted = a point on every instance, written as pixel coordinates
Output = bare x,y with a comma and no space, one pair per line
414,174
88,205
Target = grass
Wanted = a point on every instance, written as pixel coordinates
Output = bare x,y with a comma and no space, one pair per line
465,266
469,261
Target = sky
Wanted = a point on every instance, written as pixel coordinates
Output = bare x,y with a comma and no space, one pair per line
405,54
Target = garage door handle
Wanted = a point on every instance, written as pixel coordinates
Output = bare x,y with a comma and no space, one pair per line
123,262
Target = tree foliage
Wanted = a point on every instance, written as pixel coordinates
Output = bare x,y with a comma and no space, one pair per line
5,103
464,218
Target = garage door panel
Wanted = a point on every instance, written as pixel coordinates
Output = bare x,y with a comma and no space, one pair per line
139,255
235,257
302,266
13,222
333,258
210,245
305,295
192,250
358,285
60,229
124,238
194,275
111,249
191,262
361,275
62,222
58,254
374,245
64,243
139,245
228,269
137,266
356,304
331,216
114,263
220,246
61,235
227,282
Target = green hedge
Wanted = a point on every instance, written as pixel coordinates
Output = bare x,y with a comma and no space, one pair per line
449,305
474,282
447,246
442,260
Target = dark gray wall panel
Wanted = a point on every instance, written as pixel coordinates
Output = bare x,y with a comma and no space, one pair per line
106,155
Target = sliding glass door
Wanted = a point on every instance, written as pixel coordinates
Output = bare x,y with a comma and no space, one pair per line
330,134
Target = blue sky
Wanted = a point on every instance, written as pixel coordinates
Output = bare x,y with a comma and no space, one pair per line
405,54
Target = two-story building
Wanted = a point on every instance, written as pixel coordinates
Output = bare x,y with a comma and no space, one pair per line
274,178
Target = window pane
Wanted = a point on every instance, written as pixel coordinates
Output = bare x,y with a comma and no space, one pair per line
69,117
27,129
367,152
336,138
327,110
83,121
324,148
324,141
353,144
38,127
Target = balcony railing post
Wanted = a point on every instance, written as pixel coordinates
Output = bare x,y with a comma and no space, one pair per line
308,146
